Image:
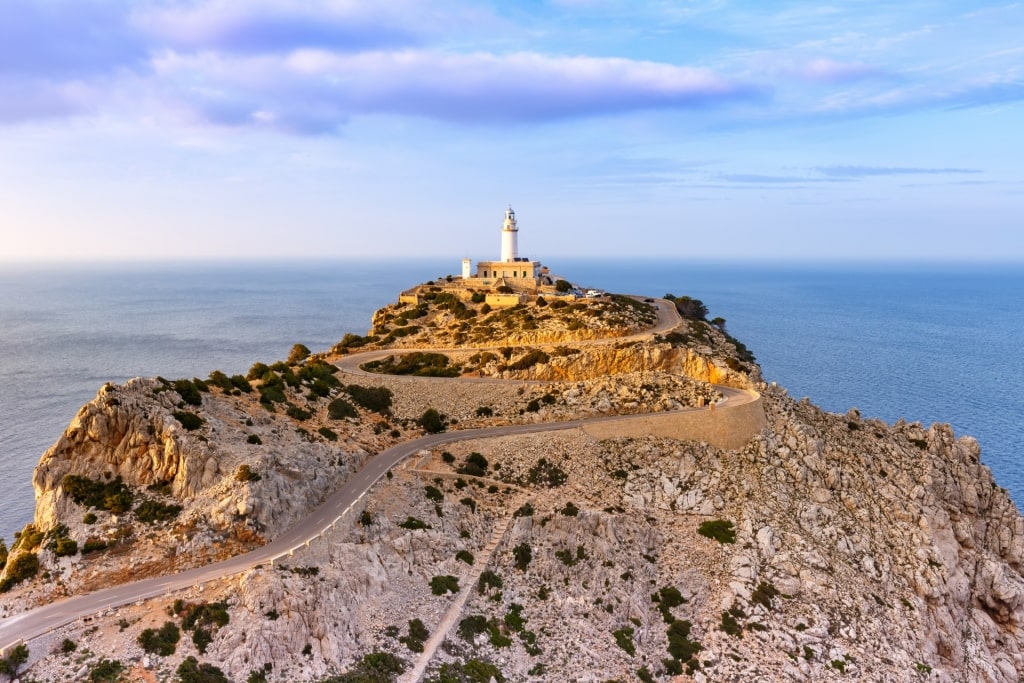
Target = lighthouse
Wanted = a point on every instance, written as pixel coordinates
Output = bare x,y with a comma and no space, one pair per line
509,237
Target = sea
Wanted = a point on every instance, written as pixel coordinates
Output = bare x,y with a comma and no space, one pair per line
927,343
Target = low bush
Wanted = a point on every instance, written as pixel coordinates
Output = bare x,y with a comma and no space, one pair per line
439,585
624,639
191,671
93,545
339,409
106,671
190,421
413,524
297,413
488,579
523,554
547,474
431,421
23,567
433,493
465,556
328,433
151,511
113,496
162,641
188,391
720,530
254,439
532,357
376,399
246,473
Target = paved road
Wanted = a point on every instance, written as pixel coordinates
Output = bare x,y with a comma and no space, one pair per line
31,624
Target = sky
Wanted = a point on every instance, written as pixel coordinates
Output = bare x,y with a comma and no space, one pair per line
291,129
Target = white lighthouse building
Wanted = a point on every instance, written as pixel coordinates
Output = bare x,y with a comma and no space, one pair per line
511,269
509,237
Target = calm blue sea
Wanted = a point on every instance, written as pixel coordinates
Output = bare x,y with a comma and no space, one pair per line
938,343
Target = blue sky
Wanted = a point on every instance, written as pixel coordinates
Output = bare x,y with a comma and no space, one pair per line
213,129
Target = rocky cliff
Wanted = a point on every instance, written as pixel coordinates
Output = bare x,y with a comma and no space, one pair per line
827,547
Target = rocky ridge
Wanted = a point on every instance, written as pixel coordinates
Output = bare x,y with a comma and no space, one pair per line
882,552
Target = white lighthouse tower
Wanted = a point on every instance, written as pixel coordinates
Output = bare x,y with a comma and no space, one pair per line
509,237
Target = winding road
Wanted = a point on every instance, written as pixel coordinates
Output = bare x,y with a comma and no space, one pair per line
36,622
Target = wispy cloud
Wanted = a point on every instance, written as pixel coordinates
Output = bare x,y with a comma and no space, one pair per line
315,90
870,171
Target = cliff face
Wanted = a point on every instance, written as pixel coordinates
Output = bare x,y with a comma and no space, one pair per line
828,547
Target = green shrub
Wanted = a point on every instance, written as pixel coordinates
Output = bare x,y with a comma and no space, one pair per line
679,644
24,566
339,409
523,555
246,473
89,518
376,399
431,421
93,545
533,406
764,594
570,510
297,413
465,556
439,585
299,353
488,579
28,538
730,625
191,671
720,530
190,421
152,511
68,646
220,380
328,433
475,465
624,639
257,371
547,474
485,411
417,363
525,511
106,671
113,496
418,633
434,493
469,502
162,641
413,524
532,357
562,286
188,392
201,638
206,614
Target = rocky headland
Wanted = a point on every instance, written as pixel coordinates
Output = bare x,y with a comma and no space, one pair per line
824,547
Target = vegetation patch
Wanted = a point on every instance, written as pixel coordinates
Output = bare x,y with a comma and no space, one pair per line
162,641
720,530
152,511
376,399
23,567
417,363
113,496
190,421
439,585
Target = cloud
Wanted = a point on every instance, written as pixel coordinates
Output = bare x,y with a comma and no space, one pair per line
871,171
260,26
62,40
315,90
824,70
